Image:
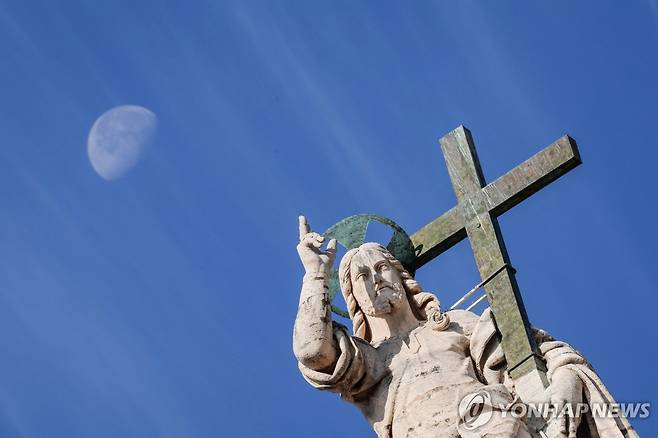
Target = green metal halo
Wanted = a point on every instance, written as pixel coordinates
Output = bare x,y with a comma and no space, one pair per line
351,233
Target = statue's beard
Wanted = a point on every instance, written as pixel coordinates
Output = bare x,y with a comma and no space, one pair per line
388,296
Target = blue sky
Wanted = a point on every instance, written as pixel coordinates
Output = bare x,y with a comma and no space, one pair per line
162,304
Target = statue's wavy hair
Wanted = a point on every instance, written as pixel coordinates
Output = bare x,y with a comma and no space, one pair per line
421,302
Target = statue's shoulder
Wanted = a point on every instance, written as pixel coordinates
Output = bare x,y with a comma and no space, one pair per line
463,321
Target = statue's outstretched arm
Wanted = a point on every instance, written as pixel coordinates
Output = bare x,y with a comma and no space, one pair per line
313,340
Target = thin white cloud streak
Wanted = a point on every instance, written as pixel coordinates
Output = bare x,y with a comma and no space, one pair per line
108,363
490,63
653,6
28,48
92,346
341,148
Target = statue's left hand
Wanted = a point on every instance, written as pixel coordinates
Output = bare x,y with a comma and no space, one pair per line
565,388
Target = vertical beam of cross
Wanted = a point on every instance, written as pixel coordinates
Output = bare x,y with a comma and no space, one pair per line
490,254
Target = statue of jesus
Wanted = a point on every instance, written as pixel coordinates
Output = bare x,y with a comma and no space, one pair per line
412,369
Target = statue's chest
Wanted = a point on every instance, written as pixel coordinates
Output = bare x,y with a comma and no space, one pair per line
428,354
427,372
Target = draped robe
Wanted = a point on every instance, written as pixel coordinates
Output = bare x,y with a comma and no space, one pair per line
411,385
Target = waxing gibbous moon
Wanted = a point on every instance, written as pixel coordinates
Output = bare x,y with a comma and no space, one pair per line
119,138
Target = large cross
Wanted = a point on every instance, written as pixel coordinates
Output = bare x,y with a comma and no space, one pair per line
475,216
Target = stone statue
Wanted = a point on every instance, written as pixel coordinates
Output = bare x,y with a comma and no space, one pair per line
415,371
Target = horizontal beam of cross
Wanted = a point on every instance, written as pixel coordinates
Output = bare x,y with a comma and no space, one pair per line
504,193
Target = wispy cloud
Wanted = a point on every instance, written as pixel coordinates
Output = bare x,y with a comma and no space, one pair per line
653,6
295,65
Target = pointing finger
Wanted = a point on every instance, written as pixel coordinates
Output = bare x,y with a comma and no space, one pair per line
304,229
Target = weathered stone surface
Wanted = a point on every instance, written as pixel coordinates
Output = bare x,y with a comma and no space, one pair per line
415,371
412,369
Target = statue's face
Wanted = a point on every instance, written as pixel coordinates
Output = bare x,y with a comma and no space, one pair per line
376,284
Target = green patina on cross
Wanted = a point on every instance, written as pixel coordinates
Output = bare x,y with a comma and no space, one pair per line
475,216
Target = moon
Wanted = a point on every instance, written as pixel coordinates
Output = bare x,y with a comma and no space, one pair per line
118,139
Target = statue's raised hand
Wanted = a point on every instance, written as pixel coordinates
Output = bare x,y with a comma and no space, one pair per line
313,339
310,252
